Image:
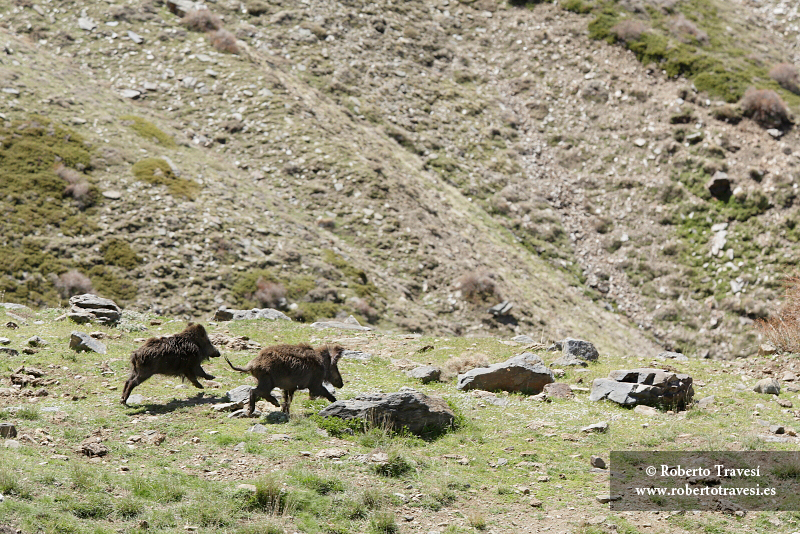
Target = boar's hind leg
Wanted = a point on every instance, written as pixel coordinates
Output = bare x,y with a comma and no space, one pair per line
131,383
263,391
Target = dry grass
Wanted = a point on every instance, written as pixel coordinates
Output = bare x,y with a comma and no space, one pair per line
684,27
477,286
783,329
629,30
786,76
465,362
224,41
77,185
765,107
72,283
270,294
202,20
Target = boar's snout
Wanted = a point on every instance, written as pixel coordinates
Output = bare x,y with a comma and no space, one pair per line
215,353
336,378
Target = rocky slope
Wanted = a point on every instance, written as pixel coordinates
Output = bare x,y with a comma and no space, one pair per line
369,156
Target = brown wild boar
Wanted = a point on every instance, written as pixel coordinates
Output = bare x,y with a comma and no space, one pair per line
293,367
176,355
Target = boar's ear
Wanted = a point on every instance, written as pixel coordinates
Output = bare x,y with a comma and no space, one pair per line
335,352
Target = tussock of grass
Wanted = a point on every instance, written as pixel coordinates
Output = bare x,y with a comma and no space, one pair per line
157,171
148,130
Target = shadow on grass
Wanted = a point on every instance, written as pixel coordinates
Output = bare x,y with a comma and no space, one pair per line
175,404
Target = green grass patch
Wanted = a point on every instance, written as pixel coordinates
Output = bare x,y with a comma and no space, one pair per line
120,254
157,171
148,130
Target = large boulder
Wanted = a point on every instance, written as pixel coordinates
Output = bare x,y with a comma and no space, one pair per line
406,408
425,373
524,373
651,387
224,314
87,307
580,349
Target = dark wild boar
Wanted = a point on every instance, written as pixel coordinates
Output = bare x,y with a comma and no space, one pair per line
293,367
177,355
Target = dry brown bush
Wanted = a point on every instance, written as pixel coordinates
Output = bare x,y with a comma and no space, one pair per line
629,30
77,186
270,294
477,285
765,107
683,26
224,41
202,20
72,283
783,329
786,76
460,364
365,310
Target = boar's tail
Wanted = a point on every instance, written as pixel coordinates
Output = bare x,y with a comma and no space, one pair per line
241,369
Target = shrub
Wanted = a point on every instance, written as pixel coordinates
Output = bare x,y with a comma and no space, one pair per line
365,310
270,294
765,107
786,76
783,329
120,254
202,20
77,185
685,27
465,362
72,283
157,171
628,30
397,466
148,130
224,41
477,285
256,8
384,523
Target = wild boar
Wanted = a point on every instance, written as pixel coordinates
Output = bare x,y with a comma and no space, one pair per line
293,367
176,355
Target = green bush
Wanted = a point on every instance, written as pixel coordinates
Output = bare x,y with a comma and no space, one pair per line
397,466
120,254
148,130
157,171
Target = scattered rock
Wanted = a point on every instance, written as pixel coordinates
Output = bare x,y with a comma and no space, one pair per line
767,349
784,403
777,429
598,462
351,323
653,387
93,447
603,499
705,402
135,37
247,487
425,373
558,390
10,352
276,418
331,453
769,386
7,430
239,396
600,427
12,444
135,399
224,314
4,341
499,310
646,410
181,7
88,307
356,355
583,350
525,340
36,341
112,195
82,342
133,94
669,355
85,23
258,428
524,373
226,407
406,408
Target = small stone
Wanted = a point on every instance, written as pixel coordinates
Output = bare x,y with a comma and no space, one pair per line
646,410
331,453
603,499
82,342
536,503
768,386
767,349
225,407
525,340
777,429
258,428
12,444
135,399
597,462
247,487
705,402
602,426
785,403
133,94
775,133
4,341
640,142
135,37
85,23
425,373
240,395
112,195
7,430
36,341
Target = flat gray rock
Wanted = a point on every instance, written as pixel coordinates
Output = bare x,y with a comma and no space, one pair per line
406,408
600,427
82,342
425,373
36,341
240,395
4,341
224,314
135,399
89,307
527,340
569,361
669,355
524,373
356,355
13,306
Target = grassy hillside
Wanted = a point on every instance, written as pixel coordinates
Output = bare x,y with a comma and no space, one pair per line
174,463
